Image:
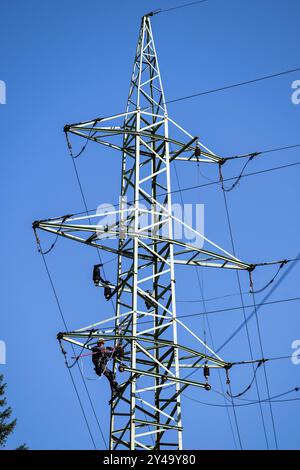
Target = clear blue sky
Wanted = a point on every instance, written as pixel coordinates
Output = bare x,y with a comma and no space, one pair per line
66,61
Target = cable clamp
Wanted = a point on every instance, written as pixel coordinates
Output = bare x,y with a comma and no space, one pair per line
254,154
152,13
251,268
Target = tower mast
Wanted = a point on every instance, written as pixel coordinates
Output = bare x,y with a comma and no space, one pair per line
145,170
146,414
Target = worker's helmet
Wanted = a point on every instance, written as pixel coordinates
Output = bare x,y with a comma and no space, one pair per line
101,341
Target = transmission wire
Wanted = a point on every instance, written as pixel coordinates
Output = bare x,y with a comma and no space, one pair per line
211,183
66,327
234,85
208,324
265,372
244,313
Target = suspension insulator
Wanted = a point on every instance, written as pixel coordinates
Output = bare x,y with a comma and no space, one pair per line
197,152
206,371
96,274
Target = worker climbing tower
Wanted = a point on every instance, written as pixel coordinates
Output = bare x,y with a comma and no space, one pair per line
147,413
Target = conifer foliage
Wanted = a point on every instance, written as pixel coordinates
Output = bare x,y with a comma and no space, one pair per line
7,425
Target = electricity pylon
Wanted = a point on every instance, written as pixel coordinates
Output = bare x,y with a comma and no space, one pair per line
147,412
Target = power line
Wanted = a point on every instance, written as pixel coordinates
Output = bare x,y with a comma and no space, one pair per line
72,378
183,5
99,255
219,373
249,341
271,291
209,329
269,359
267,170
278,149
171,253
85,203
250,402
211,183
244,316
228,309
207,184
201,313
82,408
219,296
250,316
235,85
210,299
265,372
285,274
236,420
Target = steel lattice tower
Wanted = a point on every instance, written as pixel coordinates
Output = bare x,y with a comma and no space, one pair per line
147,414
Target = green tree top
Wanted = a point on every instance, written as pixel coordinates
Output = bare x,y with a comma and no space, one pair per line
7,426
